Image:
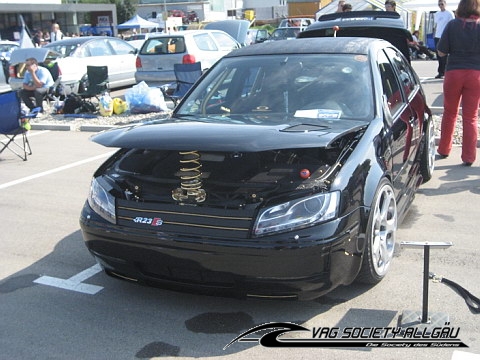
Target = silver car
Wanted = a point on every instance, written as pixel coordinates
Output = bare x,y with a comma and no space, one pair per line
159,53
74,55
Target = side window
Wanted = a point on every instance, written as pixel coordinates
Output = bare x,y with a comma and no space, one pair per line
407,78
176,45
224,41
205,42
99,48
154,47
391,87
120,48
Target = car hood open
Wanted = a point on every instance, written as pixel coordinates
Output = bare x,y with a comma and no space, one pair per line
237,29
20,55
214,136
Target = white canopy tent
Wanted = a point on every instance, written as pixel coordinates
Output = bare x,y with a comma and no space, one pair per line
424,7
137,22
429,5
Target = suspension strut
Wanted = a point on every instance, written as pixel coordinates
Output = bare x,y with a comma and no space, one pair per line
190,178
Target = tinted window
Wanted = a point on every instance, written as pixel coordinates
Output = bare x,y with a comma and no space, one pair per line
391,87
404,70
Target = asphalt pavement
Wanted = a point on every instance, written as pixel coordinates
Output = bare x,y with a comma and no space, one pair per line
44,265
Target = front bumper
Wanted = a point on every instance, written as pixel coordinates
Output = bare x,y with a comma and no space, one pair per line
302,264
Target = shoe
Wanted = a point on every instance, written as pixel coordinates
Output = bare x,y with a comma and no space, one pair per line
467,164
441,156
439,76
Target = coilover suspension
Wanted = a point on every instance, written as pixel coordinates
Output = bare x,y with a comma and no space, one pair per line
190,173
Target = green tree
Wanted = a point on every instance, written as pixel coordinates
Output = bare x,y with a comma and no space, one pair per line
125,9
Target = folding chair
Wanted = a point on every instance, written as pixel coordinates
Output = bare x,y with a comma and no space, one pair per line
97,82
186,75
13,123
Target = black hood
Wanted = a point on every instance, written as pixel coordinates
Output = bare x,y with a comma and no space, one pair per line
226,136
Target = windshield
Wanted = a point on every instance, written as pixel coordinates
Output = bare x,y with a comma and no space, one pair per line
319,86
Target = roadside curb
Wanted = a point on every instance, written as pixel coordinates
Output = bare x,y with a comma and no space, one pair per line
96,128
61,127
55,127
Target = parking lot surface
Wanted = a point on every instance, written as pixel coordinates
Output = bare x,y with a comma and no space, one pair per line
55,304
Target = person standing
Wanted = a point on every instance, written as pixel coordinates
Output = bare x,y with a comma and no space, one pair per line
38,38
440,20
56,33
390,5
36,82
461,42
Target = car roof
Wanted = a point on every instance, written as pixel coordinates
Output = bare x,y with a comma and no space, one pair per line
326,45
77,40
185,32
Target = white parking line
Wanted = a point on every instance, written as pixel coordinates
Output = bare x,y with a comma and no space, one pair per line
75,283
4,141
52,171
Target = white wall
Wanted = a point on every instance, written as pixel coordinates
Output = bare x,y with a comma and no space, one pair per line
30,2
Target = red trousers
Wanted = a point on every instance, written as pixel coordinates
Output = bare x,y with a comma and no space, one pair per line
460,85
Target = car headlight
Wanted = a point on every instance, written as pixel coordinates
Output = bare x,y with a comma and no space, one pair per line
101,201
297,213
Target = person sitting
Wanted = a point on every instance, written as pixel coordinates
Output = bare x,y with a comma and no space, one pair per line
36,83
418,47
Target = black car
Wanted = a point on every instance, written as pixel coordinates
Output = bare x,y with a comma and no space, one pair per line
386,25
283,173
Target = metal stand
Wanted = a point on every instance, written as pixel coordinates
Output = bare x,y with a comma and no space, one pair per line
424,319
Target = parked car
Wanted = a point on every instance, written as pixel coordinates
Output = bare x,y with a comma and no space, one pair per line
296,22
158,54
6,49
74,55
283,173
256,36
285,33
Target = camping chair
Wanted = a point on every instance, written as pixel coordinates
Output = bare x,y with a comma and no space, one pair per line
186,75
97,82
13,123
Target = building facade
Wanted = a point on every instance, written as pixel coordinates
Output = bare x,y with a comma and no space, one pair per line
39,14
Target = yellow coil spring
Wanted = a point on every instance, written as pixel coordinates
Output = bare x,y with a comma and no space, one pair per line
190,170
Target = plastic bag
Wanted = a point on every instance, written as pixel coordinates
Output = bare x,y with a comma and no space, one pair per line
119,106
106,105
143,99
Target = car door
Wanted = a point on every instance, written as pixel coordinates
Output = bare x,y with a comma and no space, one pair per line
400,120
212,46
123,71
120,67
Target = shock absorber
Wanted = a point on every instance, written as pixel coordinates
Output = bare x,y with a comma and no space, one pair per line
190,178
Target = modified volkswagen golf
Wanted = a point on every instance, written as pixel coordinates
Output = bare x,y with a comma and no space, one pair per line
283,173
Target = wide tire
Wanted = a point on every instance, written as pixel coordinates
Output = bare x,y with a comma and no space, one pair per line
427,159
380,235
